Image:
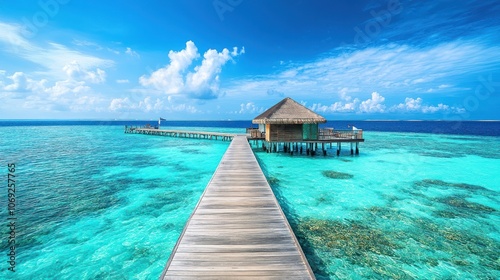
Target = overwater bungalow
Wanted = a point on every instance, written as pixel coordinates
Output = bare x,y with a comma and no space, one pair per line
291,125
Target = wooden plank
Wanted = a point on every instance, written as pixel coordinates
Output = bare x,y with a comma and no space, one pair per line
235,274
237,230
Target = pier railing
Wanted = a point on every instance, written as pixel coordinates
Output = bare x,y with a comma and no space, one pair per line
323,134
331,134
178,133
255,133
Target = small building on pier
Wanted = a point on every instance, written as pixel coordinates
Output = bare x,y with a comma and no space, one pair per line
291,125
289,121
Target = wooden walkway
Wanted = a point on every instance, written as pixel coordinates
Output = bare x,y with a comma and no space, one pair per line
180,133
237,230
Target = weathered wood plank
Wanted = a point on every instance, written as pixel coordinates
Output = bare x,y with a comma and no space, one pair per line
237,230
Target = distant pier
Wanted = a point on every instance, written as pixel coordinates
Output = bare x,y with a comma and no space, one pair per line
180,133
237,230
276,143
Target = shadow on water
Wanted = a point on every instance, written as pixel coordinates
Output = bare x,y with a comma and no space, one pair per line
315,261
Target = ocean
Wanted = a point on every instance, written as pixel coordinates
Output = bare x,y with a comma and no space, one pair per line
421,201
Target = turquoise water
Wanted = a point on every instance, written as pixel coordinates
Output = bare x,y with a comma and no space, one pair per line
95,203
411,206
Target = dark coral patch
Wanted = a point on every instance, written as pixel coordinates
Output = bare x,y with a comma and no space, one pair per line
336,175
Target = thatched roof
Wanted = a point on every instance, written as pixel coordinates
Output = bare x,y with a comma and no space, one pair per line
288,111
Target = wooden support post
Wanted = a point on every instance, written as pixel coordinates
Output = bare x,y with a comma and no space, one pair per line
352,152
357,150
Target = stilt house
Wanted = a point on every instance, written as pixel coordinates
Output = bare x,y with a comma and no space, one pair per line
289,121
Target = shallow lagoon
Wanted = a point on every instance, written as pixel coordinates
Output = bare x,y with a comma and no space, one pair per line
96,203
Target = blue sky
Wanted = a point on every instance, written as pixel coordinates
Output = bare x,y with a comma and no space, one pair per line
232,59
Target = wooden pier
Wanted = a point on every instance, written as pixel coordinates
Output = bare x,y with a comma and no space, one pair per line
237,230
180,133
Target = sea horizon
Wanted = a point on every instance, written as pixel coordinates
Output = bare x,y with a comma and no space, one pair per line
230,120
481,128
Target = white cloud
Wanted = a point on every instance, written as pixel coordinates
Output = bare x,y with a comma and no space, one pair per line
23,85
149,104
131,52
338,106
85,43
76,72
392,69
202,83
11,35
64,96
250,108
123,81
410,104
86,103
53,57
119,104
67,86
69,93
19,82
373,105
415,105
236,53
434,109
343,93
183,108
169,79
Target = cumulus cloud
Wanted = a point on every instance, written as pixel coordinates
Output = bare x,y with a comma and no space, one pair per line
74,71
338,106
20,85
373,105
19,82
62,95
170,78
119,104
415,105
250,108
67,86
201,83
